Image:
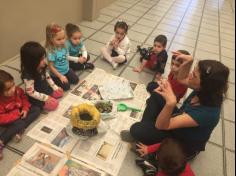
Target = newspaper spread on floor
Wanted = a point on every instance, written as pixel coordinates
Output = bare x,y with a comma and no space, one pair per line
42,160
104,152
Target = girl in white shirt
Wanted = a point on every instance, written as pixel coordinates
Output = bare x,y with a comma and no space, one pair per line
117,49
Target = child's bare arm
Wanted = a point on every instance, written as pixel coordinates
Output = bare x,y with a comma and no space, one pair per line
140,67
56,73
54,70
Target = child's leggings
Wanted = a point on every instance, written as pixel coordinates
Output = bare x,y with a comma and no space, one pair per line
10,130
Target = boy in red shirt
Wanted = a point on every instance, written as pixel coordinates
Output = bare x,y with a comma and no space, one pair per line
168,160
154,58
16,112
178,88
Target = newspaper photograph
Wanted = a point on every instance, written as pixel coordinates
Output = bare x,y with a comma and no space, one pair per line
54,134
87,91
43,160
73,167
21,171
106,153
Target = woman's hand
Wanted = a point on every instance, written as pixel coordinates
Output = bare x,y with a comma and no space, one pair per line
165,90
142,149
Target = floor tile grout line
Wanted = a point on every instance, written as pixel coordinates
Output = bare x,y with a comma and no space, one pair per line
99,30
179,25
13,68
231,121
199,28
229,150
147,36
15,150
198,33
150,33
223,122
131,26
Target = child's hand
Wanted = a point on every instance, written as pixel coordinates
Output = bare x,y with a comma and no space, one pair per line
82,60
143,149
137,69
23,114
51,104
116,44
63,79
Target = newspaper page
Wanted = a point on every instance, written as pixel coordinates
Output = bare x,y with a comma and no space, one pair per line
107,153
116,88
74,167
21,171
53,133
65,106
43,160
120,123
88,88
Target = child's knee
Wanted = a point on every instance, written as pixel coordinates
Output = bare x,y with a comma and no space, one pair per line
121,59
74,79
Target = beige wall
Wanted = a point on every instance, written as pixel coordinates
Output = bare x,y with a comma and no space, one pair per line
94,6
25,20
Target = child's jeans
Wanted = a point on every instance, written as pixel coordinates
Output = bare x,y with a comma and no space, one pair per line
72,79
10,130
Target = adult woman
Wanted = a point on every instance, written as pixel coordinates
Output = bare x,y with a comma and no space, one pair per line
194,122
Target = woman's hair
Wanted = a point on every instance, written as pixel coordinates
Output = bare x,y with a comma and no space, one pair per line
170,157
4,77
71,29
51,32
122,25
31,54
213,82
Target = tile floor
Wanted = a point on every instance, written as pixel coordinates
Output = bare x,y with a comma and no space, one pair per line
203,27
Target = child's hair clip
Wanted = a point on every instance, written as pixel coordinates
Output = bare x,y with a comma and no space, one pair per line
55,29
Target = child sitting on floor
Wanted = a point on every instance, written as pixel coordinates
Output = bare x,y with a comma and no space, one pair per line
117,49
39,86
58,57
175,71
165,159
154,58
77,49
16,112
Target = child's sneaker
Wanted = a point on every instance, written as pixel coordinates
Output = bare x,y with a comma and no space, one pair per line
88,66
148,169
1,151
